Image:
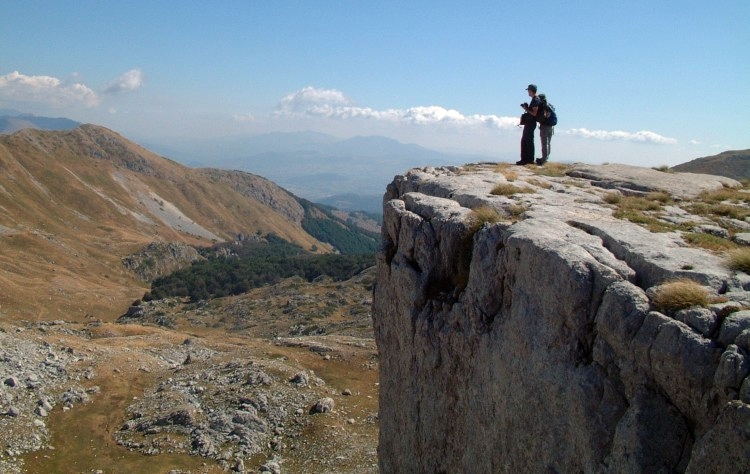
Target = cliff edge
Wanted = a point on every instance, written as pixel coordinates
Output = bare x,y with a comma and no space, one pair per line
518,331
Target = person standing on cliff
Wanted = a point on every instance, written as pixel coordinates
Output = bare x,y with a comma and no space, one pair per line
528,120
546,128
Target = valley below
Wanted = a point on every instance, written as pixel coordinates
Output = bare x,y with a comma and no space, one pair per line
266,381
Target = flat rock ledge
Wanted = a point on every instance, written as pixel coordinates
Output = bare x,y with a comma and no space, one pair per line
530,342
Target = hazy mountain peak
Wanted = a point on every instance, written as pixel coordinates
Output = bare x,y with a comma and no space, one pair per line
12,121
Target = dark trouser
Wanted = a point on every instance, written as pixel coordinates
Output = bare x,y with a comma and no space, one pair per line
527,143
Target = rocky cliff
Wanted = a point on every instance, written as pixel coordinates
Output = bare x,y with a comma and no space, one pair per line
531,341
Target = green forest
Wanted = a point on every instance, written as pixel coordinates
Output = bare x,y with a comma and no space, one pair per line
235,268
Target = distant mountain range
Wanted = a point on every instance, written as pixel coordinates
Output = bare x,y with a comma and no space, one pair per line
352,172
12,121
732,164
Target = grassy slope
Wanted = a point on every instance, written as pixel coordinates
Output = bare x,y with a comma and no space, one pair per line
732,164
72,204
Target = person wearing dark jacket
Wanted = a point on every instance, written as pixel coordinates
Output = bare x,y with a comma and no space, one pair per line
528,120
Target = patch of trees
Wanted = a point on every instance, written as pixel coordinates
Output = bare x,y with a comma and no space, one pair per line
345,237
232,269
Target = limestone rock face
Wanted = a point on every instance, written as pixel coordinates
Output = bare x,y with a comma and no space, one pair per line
159,259
531,345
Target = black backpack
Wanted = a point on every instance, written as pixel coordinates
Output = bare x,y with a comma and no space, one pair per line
550,117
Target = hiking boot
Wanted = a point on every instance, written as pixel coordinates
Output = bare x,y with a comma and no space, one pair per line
521,163
541,161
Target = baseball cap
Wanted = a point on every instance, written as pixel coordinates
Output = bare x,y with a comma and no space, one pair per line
532,87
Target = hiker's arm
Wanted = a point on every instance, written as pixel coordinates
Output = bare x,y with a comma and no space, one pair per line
531,110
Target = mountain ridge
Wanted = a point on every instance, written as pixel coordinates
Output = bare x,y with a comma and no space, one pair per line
12,121
731,163
75,202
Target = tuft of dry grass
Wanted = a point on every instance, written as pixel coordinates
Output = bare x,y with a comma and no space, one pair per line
729,210
659,196
663,168
515,210
638,217
509,174
482,215
679,294
725,194
738,260
708,241
612,197
507,189
638,203
636,209
552,169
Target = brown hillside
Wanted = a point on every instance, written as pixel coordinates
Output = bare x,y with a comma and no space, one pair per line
732,164
74,203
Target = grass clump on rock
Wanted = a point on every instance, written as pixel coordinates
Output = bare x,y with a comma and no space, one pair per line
507,189
739,260
552,169
708,241
480,216
725,194
516,210
678,294
612,197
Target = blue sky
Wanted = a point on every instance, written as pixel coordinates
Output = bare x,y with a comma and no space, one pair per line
640,82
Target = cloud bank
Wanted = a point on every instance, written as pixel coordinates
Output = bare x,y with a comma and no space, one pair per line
45,89
642,136
57,93
333,104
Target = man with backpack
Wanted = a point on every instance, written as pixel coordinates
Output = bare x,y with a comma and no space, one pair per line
547,120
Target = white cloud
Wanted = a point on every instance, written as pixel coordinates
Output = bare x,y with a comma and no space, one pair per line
127,81
311,99
694,142
642,136
45,89
333,104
